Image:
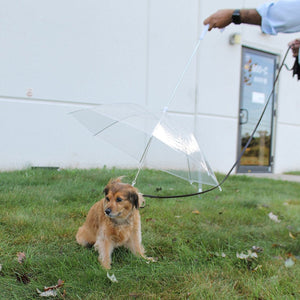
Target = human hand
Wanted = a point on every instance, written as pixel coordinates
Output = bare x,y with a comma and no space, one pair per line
295,44
219,19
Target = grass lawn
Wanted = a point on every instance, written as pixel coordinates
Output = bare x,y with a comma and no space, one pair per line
196,240
294,173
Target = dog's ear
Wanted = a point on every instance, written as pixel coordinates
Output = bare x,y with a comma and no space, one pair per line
134,199
117,180
106,189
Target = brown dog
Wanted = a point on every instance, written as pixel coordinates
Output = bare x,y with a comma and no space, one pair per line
114,221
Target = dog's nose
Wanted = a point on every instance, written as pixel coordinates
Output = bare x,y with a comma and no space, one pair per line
108,211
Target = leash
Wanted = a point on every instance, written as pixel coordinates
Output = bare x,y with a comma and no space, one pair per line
242,152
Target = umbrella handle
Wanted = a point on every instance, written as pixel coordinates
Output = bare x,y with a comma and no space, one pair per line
204,32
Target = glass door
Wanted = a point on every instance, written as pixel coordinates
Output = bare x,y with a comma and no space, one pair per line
257,78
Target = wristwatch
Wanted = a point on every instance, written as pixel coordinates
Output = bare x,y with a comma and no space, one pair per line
236,17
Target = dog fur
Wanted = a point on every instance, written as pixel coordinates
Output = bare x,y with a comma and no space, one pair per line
114,221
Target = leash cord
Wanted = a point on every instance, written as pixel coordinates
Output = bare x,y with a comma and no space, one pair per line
242,152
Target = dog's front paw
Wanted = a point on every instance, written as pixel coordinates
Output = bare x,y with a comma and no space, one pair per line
105,264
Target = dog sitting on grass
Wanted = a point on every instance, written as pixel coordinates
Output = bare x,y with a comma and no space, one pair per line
114,221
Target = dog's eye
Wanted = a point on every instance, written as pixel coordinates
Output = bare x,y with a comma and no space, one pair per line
119,199
107,199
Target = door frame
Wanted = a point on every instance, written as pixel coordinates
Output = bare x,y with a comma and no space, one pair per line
255,168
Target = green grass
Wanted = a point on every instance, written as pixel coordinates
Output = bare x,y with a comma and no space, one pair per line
41,210
293,173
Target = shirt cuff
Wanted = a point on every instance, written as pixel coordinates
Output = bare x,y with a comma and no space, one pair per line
266,25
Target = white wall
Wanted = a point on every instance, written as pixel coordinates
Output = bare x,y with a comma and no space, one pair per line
84,52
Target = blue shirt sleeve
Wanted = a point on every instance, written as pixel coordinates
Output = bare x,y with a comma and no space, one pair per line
280,16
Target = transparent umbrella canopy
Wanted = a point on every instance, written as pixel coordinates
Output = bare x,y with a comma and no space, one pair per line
157,142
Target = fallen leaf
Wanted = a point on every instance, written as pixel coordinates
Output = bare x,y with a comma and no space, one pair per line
290,255
21,257
196,212
222,254
60,283
257,249
289,263
22,278
112,277
274,217
292,236
250,255
242,255
150,259
49,293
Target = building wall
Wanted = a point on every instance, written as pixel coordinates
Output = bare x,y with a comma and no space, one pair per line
60,56
224,99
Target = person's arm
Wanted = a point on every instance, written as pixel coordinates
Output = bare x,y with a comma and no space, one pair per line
223,18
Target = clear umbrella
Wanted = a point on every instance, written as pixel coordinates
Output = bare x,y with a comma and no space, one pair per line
157,141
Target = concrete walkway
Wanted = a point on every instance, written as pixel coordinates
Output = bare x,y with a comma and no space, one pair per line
283,177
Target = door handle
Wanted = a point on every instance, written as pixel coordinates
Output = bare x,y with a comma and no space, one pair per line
243,116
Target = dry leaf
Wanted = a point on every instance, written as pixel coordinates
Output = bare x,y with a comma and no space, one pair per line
274,217
60,283
21,257
222,254
51,290
22,278
49,293
112,277
250,255
196,212
289,263
292,236
257,249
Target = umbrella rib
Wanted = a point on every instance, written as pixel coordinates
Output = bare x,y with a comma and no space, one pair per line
106,127
141,162
115,122
188,163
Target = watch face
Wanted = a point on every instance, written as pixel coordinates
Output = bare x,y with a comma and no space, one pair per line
236,17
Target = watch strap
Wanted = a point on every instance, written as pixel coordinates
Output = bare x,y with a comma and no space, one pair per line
236,17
